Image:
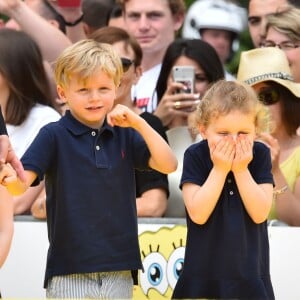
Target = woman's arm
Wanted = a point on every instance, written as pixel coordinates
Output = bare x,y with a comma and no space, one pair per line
152,203
287,204
50,39
23,203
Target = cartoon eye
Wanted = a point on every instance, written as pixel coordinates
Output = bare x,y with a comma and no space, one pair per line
154,275
175,265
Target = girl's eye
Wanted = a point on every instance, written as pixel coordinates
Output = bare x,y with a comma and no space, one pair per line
104,90
223,133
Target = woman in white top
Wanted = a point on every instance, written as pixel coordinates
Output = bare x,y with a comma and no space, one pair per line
25,98
175,109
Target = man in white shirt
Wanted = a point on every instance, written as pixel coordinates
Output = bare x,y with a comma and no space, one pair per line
154,24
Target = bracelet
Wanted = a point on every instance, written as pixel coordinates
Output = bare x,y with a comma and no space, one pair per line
76,22
279,191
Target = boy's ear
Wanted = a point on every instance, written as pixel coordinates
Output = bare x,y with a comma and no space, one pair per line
61,93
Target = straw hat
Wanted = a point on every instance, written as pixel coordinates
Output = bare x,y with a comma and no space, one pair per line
267,64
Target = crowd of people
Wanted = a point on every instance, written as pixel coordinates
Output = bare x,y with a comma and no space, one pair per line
81,76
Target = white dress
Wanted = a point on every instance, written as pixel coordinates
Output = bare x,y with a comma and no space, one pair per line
179,140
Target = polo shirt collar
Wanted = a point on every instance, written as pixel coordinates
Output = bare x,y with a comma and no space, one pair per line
77,128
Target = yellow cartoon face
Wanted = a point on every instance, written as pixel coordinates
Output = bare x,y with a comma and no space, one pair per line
162,254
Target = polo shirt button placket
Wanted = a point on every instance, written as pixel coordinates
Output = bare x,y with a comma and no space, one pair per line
93,133
231,191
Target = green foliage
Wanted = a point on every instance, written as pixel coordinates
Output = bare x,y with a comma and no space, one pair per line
245,44
4,17
189,2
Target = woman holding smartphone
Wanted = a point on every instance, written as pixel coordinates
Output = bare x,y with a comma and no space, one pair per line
173,107
176,103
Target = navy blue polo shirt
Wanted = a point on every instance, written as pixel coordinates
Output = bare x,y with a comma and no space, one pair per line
91,202
228,256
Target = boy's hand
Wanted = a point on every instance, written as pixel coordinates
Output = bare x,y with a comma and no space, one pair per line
243,154
7,174
222,154
122,116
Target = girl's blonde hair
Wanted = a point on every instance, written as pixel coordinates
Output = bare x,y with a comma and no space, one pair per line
84,58
226,96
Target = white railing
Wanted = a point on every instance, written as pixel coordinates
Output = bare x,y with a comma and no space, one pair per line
23,273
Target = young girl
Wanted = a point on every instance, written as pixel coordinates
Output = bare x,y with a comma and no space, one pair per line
227,189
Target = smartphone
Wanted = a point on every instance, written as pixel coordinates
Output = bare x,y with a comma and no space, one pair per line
69,3
185,75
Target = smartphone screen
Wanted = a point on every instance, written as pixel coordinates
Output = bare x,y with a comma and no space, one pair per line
186,76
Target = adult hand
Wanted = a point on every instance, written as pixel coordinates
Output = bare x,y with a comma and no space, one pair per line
7,154
7,6
273,144
173,105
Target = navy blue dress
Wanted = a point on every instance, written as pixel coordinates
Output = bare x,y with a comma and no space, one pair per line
228,256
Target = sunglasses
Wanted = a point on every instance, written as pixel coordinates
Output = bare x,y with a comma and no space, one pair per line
126,63
268,96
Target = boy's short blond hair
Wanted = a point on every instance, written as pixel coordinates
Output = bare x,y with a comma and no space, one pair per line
84,58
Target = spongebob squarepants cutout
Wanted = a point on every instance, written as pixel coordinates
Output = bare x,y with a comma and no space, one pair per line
162,254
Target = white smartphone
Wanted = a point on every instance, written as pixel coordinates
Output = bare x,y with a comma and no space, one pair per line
185,75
